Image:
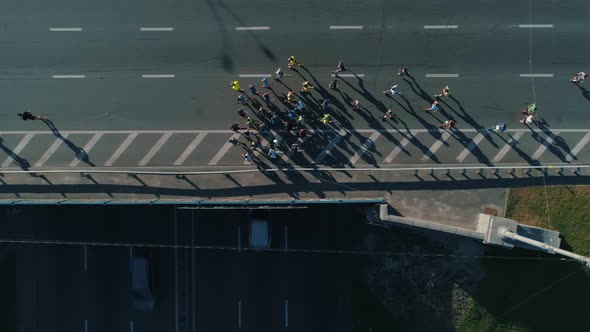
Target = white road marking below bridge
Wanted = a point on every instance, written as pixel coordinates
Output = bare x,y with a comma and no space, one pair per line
14,154
543,146
364,148
470,147
401,145
432,150
333,142
223,150
124,145
84,153
507,147
146,159
578,147
58,141
189,149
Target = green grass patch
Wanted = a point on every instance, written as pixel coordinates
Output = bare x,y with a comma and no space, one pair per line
538,295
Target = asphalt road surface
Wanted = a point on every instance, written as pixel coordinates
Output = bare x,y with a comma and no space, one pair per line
206,278
146,83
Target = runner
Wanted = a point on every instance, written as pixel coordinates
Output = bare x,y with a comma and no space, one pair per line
527,120
266,98
272,153
325,105
326,119
579,78
252,89
242,113
403,71
241,99
293,62
301,120
291,96
250,122
333,85
265,83
392,91
445,92
247,156
449,124
279,74
306,86
236,86
357,105
529,110
433,107
340,68
302,133
389,115
26,115
235,127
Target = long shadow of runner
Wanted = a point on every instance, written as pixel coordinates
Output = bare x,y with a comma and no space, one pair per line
79,152
20,162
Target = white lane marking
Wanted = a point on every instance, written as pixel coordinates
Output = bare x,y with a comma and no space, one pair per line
146,159
189,149
470,147
124,145
544,146
254,75
527,26
252,28
157,29
396,150
130,326
82,154
286,313
51,150
364,148
14,154
65,29
442,75
239,314
507,147
86,325
223,150
333,143
578,147
69,76
432,150
348,75
158,76
85,258
441,27
536,75
346,27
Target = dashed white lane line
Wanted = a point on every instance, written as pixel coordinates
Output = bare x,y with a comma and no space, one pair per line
528,26
189,149
124,145
346,27
507,147
86,325
286,313
432,150
239,314
252,28
348,75
470,147
397,150
146,159
578,147
82,154
254,75
65,29
223,150
544,145
157,29
327,149
442,75
536,75
51,150
441,27
69,76
130,326
158,76
364,148
14,154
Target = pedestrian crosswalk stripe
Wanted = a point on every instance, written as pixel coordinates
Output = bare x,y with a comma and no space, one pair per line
578,147
84,153
432,150
152,152
14,154
470,147
124,145
364,148
189,149
507,147
223,150
401,145
51,150
544,145
333,143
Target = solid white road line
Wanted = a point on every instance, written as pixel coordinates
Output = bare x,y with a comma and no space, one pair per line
85,258
189,149
442,75
507,147
286,313
346,27
239,314
254,75
50,151
223,150
544,146
158,76
14,154
578,147
130,326
348,75
157,29
124,145
432,150
441,27
333,143
536,75
82,154
251,28
396,150
470,147
527,26
86,325
65,29
69,76
146,159
364,148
